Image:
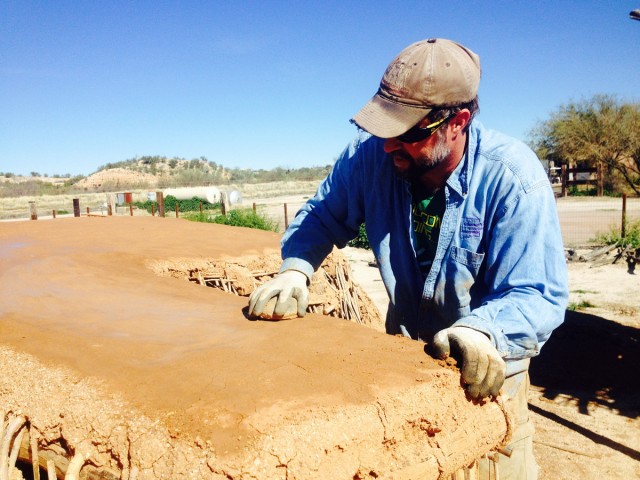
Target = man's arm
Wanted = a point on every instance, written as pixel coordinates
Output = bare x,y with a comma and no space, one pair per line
331,217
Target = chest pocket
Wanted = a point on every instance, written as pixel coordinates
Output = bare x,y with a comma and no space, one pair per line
457,276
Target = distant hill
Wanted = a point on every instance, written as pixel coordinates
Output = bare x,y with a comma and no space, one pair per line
150,172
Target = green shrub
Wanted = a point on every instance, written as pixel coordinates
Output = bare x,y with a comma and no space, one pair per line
361,241
192,205
237,218
613,236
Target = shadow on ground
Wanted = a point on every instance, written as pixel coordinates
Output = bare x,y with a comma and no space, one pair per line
591,359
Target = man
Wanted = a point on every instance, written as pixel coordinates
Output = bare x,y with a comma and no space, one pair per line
462,222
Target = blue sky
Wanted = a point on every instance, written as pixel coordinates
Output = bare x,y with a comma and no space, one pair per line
262,84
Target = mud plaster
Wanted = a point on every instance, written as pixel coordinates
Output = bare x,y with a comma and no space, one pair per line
156,377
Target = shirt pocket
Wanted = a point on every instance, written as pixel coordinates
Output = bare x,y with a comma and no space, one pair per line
460,273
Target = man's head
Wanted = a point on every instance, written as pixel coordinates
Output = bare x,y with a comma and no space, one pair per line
426,100
430,74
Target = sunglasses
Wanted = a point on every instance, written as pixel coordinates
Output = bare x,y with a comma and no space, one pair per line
417,133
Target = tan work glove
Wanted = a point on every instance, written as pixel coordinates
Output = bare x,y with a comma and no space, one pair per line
286,287
483,369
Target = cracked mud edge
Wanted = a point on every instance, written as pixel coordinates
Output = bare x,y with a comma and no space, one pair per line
87,432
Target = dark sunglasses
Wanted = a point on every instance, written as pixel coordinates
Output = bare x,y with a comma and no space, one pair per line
417,133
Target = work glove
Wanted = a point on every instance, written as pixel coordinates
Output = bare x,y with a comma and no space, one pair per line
287,286
483,369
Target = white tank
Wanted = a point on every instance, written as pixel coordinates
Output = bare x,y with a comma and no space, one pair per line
234,197
210,194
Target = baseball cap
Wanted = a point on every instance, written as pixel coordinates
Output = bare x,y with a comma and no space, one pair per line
429,74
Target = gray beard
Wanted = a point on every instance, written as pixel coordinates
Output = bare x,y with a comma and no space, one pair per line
425,164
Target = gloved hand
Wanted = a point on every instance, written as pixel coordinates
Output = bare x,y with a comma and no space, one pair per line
286,286
483,369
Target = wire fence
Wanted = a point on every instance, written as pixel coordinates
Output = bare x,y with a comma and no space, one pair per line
582,219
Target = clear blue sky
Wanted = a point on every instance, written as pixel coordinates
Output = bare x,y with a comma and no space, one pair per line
262,84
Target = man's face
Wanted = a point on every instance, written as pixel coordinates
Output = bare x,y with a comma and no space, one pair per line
414,160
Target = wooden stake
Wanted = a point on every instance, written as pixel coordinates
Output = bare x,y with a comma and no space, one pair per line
286,217
51,470
623,230
35,456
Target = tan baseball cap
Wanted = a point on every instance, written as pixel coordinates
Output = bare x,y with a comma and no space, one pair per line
428,74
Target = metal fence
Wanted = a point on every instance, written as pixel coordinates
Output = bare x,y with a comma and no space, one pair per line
583,219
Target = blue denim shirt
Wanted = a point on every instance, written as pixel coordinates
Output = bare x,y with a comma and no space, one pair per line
499,266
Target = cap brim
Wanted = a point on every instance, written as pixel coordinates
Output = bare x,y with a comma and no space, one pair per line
386,119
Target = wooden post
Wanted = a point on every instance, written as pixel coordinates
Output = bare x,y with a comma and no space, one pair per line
177,209
286,217
600,180
76,207
254,207
53,213
153,209
564,176
623,230
33,210
131,210
111,204
200,207
160,200
88,211
223,203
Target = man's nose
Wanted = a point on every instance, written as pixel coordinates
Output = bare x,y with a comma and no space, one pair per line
391,145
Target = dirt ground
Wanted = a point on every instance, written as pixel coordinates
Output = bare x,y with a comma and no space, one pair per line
585,395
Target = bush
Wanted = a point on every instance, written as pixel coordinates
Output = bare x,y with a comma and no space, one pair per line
237,218
362,240
170,201
613,236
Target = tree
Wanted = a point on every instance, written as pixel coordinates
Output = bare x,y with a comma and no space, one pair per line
599,132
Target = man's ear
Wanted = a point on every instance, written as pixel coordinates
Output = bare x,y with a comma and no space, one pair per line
460,121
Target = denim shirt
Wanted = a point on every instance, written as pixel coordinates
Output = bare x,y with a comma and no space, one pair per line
499,266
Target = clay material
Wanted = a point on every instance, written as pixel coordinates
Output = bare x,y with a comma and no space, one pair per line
120,372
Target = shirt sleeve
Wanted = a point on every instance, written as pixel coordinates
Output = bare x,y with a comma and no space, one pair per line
331,218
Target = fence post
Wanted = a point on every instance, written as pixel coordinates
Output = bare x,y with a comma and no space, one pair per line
223,203
600,180
286,217
88,211
53,213
131,209
254,208
160,200
76,207
200,207
563,180
153,209
33,210
623,230
177,209
111,201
